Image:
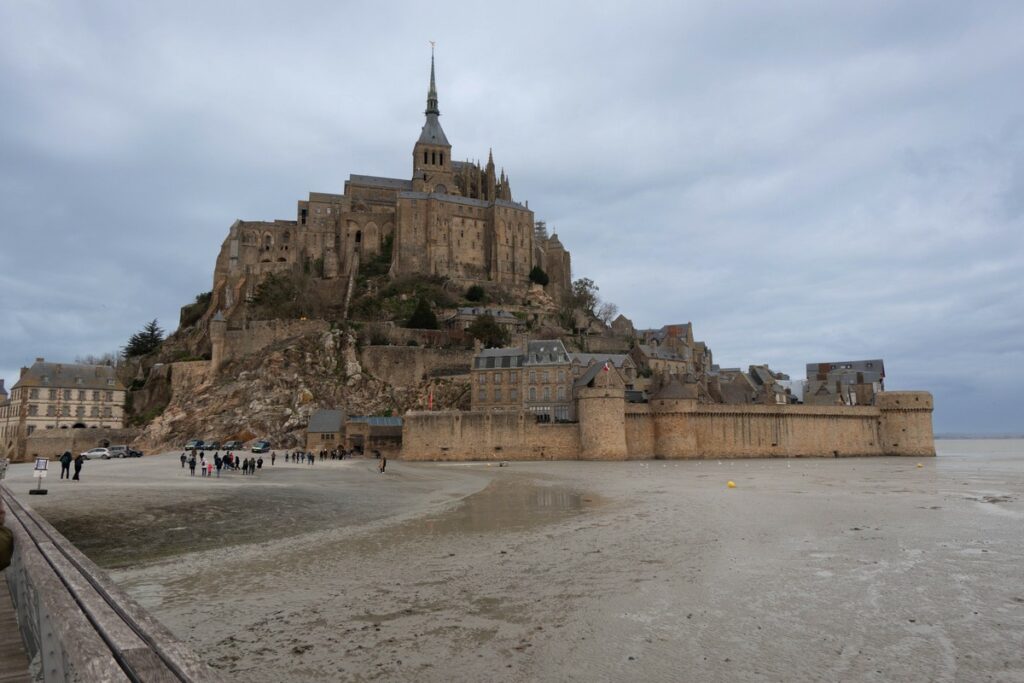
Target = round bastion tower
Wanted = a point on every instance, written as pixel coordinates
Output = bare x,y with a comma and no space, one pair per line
601,408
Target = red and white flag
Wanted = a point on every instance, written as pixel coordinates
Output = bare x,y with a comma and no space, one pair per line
606,368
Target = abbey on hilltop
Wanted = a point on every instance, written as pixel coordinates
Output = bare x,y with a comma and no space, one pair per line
453,219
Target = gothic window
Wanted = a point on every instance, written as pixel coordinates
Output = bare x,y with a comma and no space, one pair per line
442,158
359,236
424,156
433,157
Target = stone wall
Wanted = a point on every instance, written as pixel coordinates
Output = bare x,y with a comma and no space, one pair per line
901,424
259,334
50,443
486,436
406,366
187,375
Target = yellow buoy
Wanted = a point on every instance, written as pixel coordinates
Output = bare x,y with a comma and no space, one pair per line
731,484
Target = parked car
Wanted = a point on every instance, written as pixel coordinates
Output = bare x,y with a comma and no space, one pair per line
261,447
118,451
132,453
234,446
94,453
211,445
193,444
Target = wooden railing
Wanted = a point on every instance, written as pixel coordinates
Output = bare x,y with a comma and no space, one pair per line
76,624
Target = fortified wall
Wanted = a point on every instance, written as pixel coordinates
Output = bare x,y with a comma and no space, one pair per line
609,429
229,344
50,443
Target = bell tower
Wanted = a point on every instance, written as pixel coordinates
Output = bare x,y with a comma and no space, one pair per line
432,155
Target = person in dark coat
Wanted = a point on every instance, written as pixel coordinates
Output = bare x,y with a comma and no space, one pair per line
184,459
6,540
78,466
192,465
65,465
218,463
259,463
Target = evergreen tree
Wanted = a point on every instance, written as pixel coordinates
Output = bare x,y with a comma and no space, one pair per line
422,318
538,276
488,331
146,341
475,293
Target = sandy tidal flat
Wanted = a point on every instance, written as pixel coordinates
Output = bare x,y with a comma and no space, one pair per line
831,569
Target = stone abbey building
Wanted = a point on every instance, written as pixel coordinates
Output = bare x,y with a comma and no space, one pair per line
453,219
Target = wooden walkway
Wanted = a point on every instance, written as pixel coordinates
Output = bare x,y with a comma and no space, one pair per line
13,660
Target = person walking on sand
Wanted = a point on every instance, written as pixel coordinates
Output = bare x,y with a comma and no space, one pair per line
209,469
383,463
78,466
192,465
273,457
65,465
184,459
259,463
218,462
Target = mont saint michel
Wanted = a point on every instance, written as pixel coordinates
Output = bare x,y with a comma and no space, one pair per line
615,353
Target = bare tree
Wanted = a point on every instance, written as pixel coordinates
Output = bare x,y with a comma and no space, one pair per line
606,312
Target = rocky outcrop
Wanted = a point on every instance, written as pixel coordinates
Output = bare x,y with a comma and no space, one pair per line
272,394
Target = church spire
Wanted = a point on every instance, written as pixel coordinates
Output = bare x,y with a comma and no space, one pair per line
432,93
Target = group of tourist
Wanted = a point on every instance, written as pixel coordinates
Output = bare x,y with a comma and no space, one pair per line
230,461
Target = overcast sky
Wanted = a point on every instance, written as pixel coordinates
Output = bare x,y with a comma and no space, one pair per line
805,181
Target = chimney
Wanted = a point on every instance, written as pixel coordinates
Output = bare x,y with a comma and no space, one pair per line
40,360
1,384
23,371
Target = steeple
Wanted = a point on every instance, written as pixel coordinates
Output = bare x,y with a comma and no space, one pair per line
432,92
432,133
432,169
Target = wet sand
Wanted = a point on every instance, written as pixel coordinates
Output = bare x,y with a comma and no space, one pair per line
848,569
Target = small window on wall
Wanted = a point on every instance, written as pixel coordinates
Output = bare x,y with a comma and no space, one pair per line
441,157
425,158
359,236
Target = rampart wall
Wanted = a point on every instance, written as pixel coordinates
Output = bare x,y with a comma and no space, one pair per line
486,436
50,443
900,424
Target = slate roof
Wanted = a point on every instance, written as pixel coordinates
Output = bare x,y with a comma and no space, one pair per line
432,133
379,181
70,376
616,359
675,389
325,422
377,421
659,352
546,352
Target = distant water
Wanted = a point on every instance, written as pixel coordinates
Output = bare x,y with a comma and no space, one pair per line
997,448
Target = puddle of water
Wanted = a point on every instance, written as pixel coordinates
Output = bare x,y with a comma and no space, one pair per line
503,506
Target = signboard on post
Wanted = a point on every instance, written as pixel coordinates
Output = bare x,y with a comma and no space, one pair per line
39,472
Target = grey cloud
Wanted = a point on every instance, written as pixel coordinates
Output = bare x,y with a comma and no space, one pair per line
803,181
